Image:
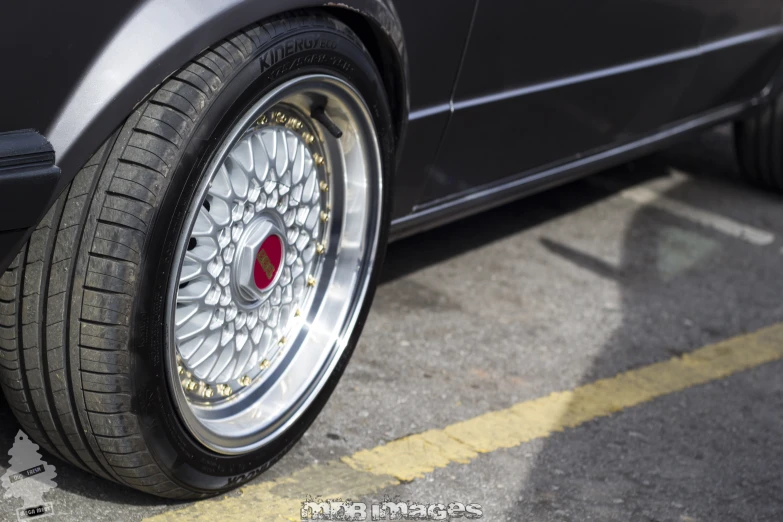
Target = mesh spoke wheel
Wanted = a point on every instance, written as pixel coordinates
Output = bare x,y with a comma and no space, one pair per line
273,262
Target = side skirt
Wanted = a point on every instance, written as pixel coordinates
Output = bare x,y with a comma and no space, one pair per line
440,212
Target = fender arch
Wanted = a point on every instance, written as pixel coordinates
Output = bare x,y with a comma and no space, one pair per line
161,35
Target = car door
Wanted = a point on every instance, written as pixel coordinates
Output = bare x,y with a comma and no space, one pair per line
545,81
435,36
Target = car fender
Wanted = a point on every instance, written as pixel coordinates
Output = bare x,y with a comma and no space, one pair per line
161,35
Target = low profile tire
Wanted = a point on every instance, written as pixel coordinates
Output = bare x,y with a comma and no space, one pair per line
759,145
183,312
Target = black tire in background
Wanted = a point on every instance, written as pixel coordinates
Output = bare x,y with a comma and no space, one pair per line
759,145
82,306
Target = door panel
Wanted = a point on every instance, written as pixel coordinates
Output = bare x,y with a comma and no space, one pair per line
547,80
433,56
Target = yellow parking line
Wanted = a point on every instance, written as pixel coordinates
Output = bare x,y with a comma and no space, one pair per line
368,471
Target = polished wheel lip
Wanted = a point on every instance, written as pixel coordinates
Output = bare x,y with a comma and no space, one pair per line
281,396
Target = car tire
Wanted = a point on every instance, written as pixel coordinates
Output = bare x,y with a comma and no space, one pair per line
758,141
91,360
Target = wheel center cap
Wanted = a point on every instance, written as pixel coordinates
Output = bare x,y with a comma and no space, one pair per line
259,260
268,260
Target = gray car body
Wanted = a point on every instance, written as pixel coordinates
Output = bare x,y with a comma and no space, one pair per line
472,93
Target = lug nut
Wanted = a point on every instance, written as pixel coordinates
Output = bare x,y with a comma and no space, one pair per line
324,216
208,392
318,159
245,381
324,186
264,364
320,248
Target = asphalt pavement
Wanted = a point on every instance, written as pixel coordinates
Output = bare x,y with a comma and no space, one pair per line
520,311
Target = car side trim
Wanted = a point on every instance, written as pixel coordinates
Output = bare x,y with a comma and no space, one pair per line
693,52
27,178
526,183
717,45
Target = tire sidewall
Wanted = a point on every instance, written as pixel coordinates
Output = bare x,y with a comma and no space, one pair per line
305,51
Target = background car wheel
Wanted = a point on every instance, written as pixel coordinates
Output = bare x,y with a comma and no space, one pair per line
759,144
183,312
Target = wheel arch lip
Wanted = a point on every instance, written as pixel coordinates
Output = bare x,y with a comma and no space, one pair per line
162,35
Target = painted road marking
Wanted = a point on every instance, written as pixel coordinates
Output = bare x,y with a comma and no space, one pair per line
409,458
652,198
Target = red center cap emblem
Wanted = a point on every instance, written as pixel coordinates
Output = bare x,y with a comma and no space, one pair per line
268,260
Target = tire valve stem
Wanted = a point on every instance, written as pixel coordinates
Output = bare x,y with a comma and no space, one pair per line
319,115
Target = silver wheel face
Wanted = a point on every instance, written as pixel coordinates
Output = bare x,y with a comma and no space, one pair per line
273,264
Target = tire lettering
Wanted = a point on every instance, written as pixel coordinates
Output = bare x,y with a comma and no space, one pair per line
297,45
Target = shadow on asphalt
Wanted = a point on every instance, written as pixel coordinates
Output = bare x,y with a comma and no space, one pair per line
710,460
708,454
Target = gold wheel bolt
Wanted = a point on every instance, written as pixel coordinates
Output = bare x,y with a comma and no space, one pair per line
318,159
320,248
309,138
324,216
263,120
180,370
208,392
310,281
297,312
324,186
189,385
281,341
280,117
224,390
245,381
264,364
